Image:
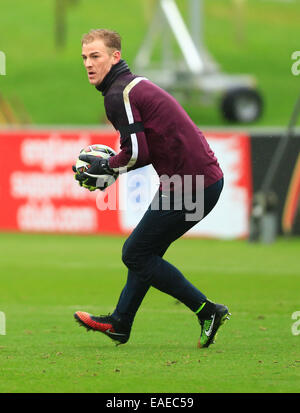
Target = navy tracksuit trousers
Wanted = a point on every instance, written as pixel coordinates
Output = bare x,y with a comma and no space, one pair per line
143,253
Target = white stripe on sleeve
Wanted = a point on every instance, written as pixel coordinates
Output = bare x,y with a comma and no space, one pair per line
133,137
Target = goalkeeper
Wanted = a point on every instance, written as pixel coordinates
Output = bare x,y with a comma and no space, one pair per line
154,129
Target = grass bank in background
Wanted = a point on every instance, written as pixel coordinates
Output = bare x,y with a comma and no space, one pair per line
53,86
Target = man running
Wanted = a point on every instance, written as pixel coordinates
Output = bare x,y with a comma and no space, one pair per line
154,129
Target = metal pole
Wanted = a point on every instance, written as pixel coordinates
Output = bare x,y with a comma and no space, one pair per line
267,183
263,220
182,35
196,21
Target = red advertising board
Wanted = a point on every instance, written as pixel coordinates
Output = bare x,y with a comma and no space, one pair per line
39,192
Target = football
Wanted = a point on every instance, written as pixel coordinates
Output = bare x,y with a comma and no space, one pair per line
103,151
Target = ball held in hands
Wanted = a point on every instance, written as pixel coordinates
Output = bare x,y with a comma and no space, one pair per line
92,169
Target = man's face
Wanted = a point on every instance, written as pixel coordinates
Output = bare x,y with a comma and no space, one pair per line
98,60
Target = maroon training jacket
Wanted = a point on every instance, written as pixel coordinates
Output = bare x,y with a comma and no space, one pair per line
154,129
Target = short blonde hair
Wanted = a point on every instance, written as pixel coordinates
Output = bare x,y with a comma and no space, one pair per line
111,39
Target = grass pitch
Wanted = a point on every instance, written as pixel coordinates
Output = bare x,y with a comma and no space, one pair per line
46,278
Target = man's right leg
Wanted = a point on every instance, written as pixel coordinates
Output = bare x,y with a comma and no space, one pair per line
131,298
133,294
118,325
149,240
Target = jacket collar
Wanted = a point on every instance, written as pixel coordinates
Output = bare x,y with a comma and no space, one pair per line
115,71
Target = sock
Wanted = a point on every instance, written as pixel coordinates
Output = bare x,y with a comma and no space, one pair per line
170,280
206,310
130,299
